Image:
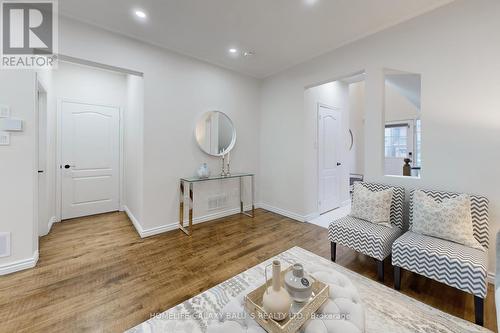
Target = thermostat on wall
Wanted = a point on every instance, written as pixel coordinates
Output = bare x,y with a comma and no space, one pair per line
7,124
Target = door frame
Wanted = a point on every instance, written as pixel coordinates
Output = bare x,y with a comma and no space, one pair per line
40,90
59,161
318,174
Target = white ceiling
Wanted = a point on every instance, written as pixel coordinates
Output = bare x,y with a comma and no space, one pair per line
282,33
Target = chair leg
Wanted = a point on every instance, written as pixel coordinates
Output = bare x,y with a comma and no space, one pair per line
479,309
333,247
380,270
397,277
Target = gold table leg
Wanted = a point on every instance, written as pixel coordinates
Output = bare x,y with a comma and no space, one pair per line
242,210
187,231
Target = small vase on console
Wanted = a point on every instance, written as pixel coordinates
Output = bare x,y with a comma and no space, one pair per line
276,300
203,171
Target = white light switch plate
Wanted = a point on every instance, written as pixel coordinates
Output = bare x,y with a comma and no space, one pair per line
4,139
4,111
4,244
9,124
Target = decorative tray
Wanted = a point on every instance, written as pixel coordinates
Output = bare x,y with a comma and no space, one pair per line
299,314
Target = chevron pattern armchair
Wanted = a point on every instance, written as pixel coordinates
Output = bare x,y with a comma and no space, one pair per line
371,239
453,264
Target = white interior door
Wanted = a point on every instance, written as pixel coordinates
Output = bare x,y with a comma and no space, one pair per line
329,125
90,149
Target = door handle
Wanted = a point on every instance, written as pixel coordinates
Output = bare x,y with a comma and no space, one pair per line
40,171
67,166
339,164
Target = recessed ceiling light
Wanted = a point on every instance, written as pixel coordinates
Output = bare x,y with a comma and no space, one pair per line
233,50
310,2
140,14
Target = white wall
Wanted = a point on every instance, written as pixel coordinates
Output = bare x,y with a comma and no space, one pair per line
454,49
133,150
177,90
397,106
357,126
18,171
334,94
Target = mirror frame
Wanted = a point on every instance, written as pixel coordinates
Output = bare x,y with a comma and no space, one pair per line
233,141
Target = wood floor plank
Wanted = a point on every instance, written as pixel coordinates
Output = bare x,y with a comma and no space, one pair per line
95,274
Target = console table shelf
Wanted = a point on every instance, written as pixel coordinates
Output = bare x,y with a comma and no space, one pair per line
190,183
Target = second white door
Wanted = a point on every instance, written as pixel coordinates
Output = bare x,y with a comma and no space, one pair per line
329,158
90,155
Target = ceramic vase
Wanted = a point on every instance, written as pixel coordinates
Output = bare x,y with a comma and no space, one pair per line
298,284
203,171
276,300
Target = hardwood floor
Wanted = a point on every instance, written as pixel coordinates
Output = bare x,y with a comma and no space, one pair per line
95,274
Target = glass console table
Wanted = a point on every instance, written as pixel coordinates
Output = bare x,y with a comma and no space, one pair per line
190,183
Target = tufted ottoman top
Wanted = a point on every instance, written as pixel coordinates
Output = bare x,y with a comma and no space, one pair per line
343,311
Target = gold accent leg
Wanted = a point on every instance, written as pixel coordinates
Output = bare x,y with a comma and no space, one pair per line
253,195
181,208
187,231
241,195
253,198
191,201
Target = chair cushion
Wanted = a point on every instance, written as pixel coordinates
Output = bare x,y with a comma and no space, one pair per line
371,239
454,264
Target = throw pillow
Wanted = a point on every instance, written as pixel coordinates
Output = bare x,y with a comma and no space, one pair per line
372,206
450,219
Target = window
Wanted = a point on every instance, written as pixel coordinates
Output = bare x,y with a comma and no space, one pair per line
396,141
418,144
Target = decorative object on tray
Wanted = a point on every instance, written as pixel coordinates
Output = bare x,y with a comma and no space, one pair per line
203,171
298,283
276,301
300,312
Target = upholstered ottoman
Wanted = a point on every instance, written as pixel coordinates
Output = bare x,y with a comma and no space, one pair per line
342,313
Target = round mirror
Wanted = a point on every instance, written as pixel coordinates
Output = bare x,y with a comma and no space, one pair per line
215,133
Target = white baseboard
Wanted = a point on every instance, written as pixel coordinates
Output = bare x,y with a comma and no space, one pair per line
345,203
491,278
287,213
52,220
19,265
312,216
173,226
134,221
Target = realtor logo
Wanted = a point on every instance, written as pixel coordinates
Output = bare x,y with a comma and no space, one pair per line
29,33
